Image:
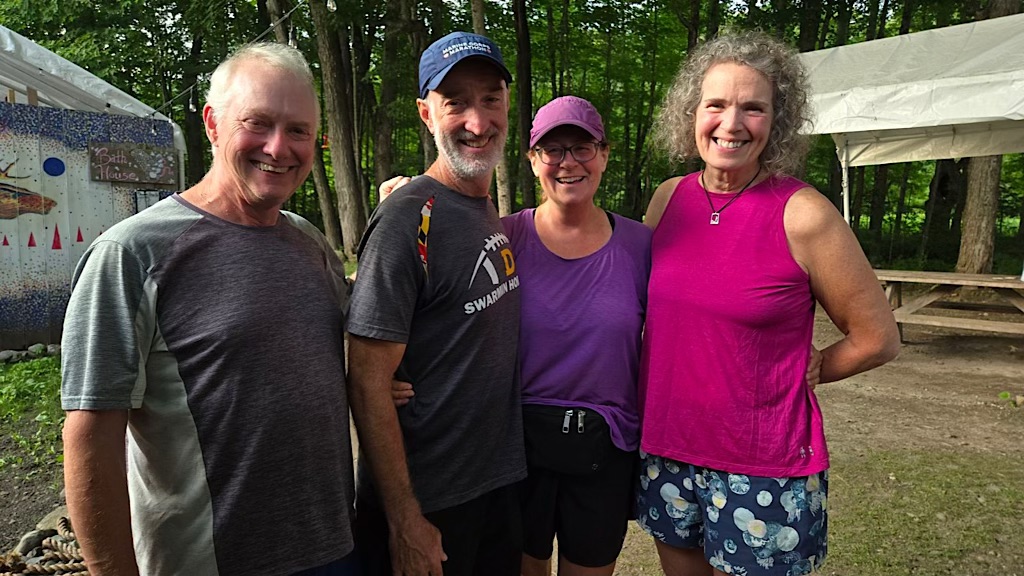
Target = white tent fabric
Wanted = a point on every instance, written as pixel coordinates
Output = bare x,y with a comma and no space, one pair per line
26,66
946,93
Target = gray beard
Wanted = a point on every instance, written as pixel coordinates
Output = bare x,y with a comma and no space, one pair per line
461,166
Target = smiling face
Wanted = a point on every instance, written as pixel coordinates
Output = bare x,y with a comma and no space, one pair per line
733,118
468,116
263,140
569,181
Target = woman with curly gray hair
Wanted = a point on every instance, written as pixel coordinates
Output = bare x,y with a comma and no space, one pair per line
735,477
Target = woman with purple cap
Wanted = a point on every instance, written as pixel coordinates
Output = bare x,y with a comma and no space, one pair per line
583,287
584,291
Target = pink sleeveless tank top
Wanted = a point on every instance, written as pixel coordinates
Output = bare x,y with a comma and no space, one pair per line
729,321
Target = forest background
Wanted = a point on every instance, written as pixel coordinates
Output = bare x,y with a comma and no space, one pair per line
965,214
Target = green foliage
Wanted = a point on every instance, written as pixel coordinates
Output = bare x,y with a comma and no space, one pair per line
1011,400
620,55
30,414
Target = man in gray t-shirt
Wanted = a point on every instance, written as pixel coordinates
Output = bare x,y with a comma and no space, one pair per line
208,330
437,305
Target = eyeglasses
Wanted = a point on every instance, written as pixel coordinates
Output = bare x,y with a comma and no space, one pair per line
582,152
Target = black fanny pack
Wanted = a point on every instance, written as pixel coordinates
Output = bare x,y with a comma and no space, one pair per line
566,440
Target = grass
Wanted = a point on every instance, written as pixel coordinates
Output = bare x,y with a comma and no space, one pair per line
927,513
30,415
909,513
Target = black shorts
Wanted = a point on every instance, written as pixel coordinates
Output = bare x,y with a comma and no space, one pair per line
588,512
482,537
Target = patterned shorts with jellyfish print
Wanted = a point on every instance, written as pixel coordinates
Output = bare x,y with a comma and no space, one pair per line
747,525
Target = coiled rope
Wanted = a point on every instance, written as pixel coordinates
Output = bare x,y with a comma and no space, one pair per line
58,554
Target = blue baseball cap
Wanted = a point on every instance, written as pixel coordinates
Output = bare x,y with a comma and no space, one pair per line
440,57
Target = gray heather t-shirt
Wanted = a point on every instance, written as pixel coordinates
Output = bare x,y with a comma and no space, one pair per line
225,343
436,273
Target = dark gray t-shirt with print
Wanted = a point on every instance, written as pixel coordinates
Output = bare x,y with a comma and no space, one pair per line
436,273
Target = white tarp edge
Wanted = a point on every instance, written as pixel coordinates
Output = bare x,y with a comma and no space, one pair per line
962,141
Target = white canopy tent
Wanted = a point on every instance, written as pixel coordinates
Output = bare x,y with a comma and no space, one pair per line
32,74
947,93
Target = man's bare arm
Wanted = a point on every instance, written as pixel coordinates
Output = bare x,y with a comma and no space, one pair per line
97,490
415,542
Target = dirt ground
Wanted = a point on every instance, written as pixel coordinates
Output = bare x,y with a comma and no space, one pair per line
26,495
942,393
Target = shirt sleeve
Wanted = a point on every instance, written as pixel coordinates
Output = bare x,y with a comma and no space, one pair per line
108,330
391,273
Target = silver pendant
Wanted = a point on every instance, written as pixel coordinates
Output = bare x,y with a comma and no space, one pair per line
714,218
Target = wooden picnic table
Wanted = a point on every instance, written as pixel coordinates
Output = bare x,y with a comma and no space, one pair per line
1010,290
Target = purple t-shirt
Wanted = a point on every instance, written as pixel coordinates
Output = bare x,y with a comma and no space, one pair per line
582,321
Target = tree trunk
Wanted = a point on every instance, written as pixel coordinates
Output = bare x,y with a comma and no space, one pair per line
835,181
901,204
638,155
872,20
524,98
780,14
978,219
810,18
858,198
420,40
194,129
337,89
882,20
364,96
564,43
943,193
826,23
263,17
689,16
878,196
324,200
714,18
382,150
437,22
276,9
843,22
1020,224
977,241
478,16
999,8
501,182
552,51
907,17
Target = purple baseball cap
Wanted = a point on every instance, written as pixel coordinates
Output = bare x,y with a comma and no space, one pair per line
440,57
571,110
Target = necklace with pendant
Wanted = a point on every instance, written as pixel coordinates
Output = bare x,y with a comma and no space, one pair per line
717,214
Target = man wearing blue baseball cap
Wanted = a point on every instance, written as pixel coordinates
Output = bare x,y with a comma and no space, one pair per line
437,305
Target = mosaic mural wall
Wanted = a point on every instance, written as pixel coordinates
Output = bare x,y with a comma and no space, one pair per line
51,209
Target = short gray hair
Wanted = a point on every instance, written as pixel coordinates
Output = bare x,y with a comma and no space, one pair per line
274,54
786,147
